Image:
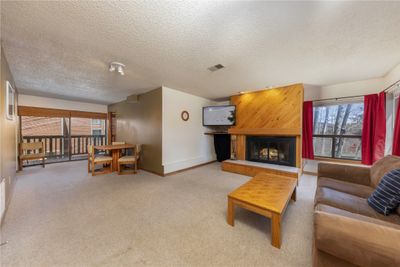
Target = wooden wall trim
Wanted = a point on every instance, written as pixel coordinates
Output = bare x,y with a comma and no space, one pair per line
42,112
89,115
52,112
266,131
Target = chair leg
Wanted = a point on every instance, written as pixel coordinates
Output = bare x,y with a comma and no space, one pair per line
88,166
43,163
92,168
135,167
119,168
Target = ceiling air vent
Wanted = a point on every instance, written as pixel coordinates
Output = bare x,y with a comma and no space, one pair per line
216,67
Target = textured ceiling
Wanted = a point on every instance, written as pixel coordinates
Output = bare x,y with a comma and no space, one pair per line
63,49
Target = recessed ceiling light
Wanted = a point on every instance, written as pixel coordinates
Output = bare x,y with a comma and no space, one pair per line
117,66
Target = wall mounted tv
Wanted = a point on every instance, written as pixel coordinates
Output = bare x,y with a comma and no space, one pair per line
219,115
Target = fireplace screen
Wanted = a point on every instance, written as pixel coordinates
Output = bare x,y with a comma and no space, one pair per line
277,150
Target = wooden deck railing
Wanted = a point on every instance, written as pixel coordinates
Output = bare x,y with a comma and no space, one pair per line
63,146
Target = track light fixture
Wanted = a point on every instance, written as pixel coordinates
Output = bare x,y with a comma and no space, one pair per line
116,66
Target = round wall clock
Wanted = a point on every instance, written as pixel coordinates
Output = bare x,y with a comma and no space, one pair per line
185,115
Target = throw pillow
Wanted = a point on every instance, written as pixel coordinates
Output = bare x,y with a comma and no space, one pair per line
386,196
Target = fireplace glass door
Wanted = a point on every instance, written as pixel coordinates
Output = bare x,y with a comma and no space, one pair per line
276,150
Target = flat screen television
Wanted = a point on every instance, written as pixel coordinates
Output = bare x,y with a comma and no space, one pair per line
219,115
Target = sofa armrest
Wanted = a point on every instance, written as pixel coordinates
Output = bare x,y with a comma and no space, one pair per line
357,239
347,173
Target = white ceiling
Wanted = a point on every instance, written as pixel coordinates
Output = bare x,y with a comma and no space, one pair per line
62,49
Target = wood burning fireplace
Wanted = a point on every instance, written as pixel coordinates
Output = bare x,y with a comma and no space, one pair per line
269,149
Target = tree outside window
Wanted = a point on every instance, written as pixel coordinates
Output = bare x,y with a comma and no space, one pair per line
337,130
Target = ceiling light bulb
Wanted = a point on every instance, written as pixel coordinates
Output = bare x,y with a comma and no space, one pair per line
121,70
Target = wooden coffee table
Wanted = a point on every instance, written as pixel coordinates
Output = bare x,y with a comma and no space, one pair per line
267,195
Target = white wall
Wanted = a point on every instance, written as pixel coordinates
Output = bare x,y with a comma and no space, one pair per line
183,142
46,102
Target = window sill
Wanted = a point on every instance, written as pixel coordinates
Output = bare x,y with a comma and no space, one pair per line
350,161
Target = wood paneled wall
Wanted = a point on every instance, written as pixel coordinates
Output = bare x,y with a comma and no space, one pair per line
276,111
273,112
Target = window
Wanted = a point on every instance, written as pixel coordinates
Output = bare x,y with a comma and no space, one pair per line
337,130
96,122
96,131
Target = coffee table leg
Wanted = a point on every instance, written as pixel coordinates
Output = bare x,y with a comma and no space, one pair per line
231,213
294,195
276,230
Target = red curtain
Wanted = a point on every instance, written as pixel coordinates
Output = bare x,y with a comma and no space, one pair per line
396,135
374,128
307,146
367,139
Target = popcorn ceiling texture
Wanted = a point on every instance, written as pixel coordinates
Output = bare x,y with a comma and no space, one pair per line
62,49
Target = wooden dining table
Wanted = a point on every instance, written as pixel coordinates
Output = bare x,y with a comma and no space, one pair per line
115,152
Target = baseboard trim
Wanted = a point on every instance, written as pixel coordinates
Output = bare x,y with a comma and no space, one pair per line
193,167
153,172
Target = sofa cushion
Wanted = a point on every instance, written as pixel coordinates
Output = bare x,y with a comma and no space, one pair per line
386,197
344,213
346,187
381,167
350,203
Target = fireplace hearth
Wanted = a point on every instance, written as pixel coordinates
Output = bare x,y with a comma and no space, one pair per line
268,149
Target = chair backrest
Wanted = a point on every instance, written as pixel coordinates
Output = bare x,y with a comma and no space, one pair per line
90,150
118,143
31,146
138,149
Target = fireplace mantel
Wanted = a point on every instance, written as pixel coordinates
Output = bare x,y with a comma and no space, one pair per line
266,131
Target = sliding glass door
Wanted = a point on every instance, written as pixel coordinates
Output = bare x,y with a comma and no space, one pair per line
65,138
53,131
85,131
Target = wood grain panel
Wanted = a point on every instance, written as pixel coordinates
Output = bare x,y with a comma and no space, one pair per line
88,115
241,147
272,110
53,112
42,112
266,131
254,170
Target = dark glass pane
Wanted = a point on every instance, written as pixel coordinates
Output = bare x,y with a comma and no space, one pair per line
273,152
348,148
322,146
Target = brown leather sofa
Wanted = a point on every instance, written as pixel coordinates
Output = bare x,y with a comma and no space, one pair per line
347,231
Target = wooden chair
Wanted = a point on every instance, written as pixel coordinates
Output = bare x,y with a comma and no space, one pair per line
93,160
125,160
37,149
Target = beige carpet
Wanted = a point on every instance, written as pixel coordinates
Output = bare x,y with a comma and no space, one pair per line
61,216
